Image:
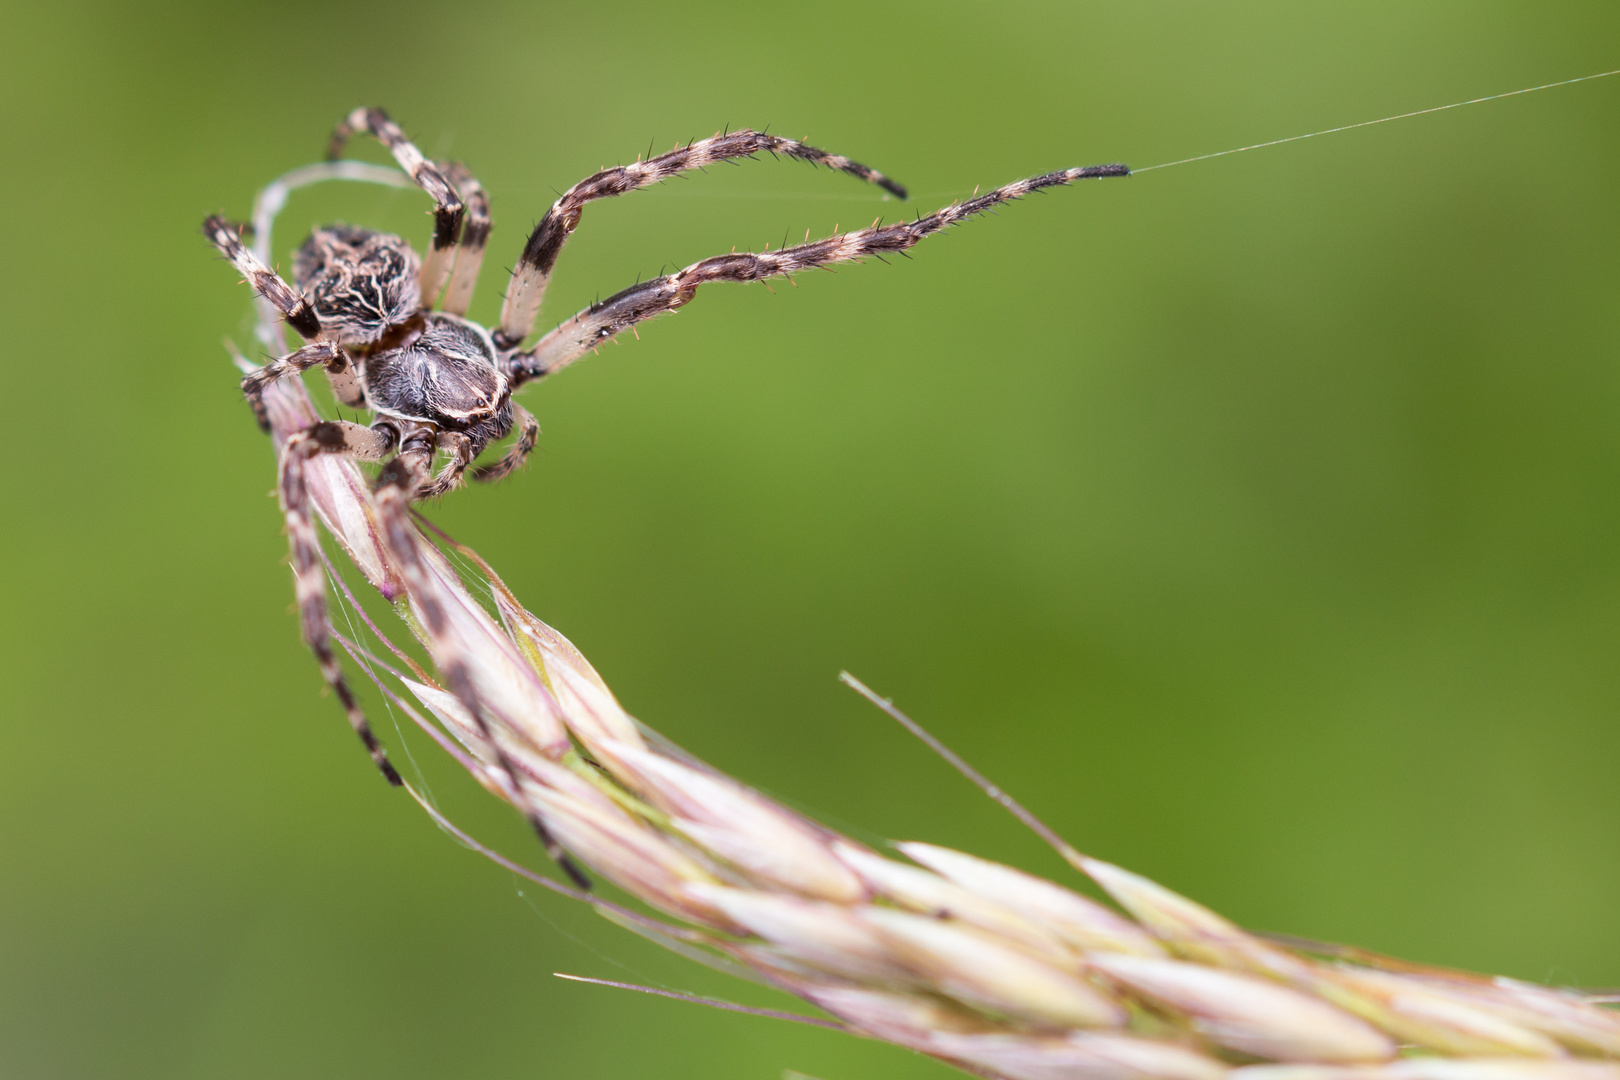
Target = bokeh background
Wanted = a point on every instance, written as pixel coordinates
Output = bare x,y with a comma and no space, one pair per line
1257,521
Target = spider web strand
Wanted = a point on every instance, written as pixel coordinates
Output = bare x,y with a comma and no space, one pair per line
1381,120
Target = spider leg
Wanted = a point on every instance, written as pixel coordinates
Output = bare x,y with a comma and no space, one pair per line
294,306
660,295
299,313
529,277
309,577
395,489
450,477
528,435
318,354
447,205
474,235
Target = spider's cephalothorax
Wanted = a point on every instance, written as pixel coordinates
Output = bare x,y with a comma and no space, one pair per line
389,327
413,368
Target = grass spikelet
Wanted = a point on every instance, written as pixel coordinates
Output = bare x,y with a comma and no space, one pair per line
994,970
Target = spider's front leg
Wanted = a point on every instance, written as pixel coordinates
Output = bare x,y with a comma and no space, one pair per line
528,284
662,295
398,484
463,449
309,576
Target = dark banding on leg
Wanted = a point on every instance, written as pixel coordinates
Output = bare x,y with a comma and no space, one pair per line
447,205
661,295
309,577
527,287
528,436
450,477
298,311
396,485
474,237
320,354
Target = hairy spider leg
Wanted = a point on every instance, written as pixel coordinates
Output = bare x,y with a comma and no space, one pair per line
395,484
309,577
293,305
316,354
449,478
660,295
528,284
448,209
300,315
474,235
528,435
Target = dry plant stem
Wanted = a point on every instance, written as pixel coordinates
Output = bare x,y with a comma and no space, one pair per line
994,970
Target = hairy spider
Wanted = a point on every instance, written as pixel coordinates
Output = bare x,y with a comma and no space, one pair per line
389,327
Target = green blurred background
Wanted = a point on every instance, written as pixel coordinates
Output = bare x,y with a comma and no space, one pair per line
1255,521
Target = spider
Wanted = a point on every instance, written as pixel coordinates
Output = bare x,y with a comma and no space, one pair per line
389,328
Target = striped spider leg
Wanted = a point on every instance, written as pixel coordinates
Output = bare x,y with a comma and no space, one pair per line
402,481
365,305
533,272
474,235
448,208
661,295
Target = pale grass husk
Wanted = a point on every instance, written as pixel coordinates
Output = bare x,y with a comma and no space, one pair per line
978,964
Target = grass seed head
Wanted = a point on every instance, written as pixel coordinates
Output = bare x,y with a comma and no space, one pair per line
1249,1014
995,970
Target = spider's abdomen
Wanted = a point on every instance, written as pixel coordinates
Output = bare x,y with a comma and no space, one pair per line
445,376
360,281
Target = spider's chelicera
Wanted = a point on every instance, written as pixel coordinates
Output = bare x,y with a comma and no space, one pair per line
389,328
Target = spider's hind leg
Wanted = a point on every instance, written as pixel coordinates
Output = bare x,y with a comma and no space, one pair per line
448,209
474,235
309,576
299,313
294,307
